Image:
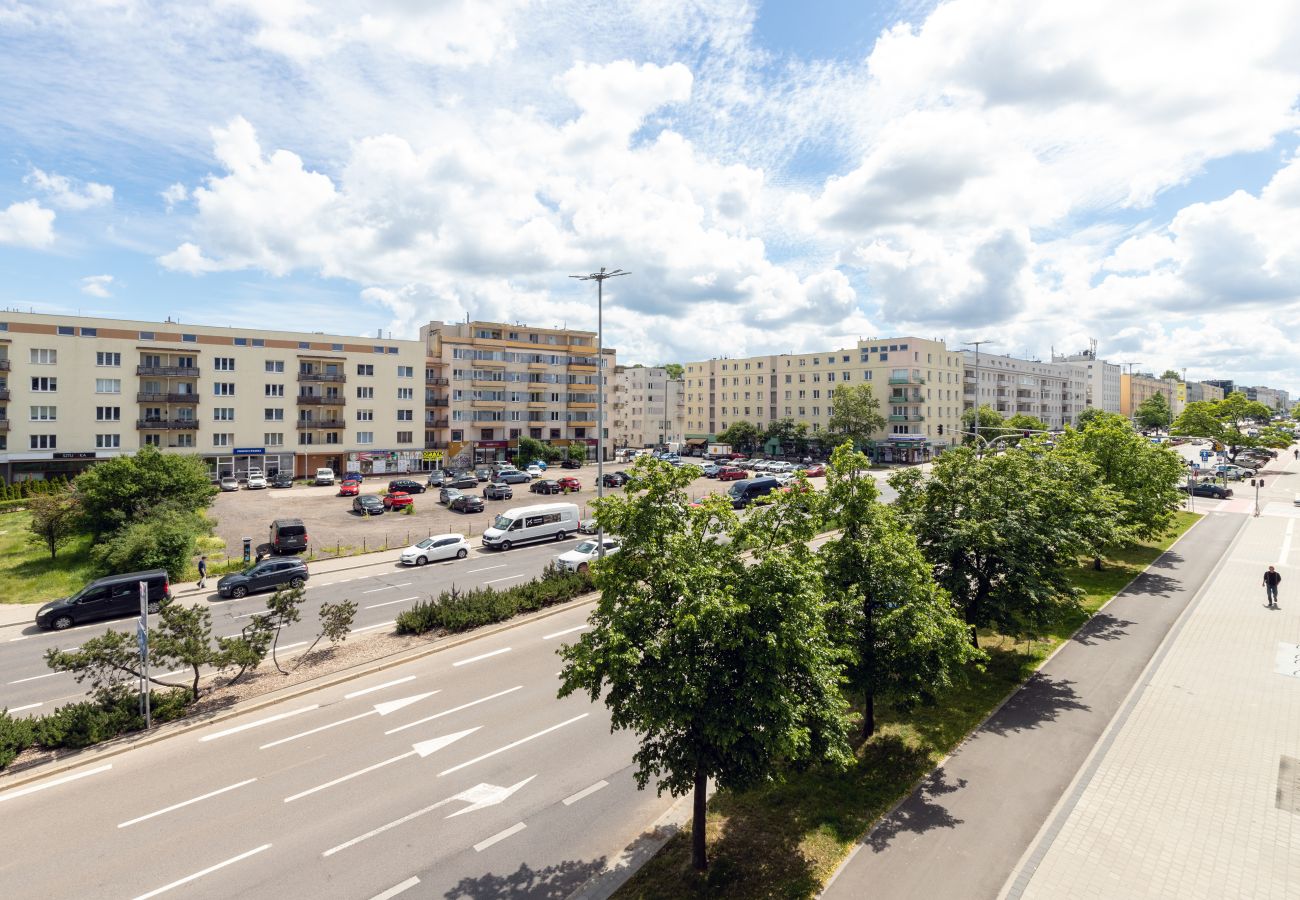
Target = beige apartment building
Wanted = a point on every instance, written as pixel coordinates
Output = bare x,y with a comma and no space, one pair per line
1138,387
648,408
1054,393
489,383
918,383
74,390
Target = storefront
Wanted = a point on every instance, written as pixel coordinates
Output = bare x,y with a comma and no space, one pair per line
242,459
393,462
488,452
308,463
48,466
905,448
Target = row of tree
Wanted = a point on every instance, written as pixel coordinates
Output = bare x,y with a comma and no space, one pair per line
1230,421
855,415
732,647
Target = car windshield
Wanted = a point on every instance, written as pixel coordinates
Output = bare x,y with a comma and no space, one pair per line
502,523
425,544
585,547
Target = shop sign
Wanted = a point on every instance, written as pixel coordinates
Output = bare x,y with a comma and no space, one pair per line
250,451
74,456
432,456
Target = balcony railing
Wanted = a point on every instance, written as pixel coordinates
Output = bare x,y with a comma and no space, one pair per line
168,371
436,380
4,364
435,423
435,445
160,397
906,379
4,425
313,424
330,377
904,398
441,402
906,418
318,400
4,393
167,424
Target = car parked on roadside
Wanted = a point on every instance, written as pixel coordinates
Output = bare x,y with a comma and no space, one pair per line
461,481
815,471
350,489
498,490
267,575
324,476
282,480
229,483
256,482
730,473
571,464
406,486
545,486
368,505
535,471
710,470
434,548
436,478
747,490
569,483
106,598
288,536
513,476
448,494
1232,472
466,503
398,500
614,479
1206,489
588,526
579,559
483,473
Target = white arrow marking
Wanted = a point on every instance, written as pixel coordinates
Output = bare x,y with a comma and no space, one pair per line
483,795
424,748
394,705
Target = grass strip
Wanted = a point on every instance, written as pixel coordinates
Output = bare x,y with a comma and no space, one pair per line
28,575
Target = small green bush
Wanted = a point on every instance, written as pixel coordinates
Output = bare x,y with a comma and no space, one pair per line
457,610
87,722
15,737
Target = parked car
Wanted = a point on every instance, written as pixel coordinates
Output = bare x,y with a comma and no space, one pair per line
434,548
229,483
466,503
615,479
448,494
1231,472
579,559
256,482
288,536
815,471
406,486
324,476
711,470
1206,489
535,470
398,500
483,473
461,481
350,489
436,478
498,490
267,575
571,464
106,598
368,505
354,475
746,491
540,522
569,483
282,480
588,526
545,486
730,473
514,476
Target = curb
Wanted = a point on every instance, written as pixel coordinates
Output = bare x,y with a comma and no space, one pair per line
118,746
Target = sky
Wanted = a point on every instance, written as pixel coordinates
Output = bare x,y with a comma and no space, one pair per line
777,177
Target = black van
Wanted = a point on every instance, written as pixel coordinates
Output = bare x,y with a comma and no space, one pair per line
747,490
288,536
106,598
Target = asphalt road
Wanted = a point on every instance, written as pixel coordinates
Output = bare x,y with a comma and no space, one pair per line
460,769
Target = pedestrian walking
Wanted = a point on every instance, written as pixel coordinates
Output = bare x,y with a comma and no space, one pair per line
1297,453
203,571
1271,579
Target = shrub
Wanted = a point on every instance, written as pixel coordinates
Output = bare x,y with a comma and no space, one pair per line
15,737
163,540
89,722
457,610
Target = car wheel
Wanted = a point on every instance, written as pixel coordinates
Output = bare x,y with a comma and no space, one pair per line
506,545
154,607
238,592
462,553
559,535
296,582
421,560
61,623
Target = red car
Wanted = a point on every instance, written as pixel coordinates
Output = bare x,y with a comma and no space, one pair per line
349,489
815,472
730,473
569,483
397,499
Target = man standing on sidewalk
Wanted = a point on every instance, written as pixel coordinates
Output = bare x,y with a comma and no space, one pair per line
1271,579
203,571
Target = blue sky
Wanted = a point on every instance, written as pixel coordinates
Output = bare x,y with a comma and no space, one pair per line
778,176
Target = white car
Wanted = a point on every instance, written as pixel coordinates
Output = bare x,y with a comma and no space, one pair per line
255,481
579,558
435,548
535,471
784,478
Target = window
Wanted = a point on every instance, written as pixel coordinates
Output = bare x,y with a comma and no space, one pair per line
152,440
65,329
108,413
44,385
406,371
365,437
43,357
224,363
365,369
223,439
241,342
405,415
406,393
404,437
190,339
377,348
259,342
108,441
184,440
365,393
275,366
146,336
108,359
275,390
223,414
304,345
108,385
45,413
43,442
224,389
273,439
365,415
274,415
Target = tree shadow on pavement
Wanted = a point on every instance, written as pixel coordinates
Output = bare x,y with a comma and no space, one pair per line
918,813
1102,627
1151,584
1041,700
548,883
1170,559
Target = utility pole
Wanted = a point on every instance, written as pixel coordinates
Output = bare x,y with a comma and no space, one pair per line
976,345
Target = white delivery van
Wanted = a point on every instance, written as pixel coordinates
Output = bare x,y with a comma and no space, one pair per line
545,521
324,476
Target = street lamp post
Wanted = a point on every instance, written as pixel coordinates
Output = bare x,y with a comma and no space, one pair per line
976,345
599,278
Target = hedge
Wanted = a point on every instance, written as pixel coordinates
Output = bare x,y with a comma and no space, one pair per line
457,610
21,490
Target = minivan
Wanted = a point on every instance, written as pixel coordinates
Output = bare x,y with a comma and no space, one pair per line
106,598
324,476
746,491
288,536
544,521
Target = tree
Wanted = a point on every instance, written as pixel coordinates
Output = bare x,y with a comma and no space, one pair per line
675,371
742,434
1153,412
782,431
904,637
991,424
120,490
1025,422
1222,421
163,539
183,638
855,413
246,650
335,624
55,519
1171,375
283,608
1090,415
725,670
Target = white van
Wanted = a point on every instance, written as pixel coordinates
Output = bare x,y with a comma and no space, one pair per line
545,521
324,476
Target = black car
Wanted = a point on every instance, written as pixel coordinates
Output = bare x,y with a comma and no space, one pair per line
1207,489
106,598
282,480
546,486
614,479
406,486
514,477
461,481
267,575
448,494
483,473
571,464
498,491
436,478
466,503
368,505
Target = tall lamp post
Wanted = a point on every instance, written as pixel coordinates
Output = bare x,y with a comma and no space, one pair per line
976,345
599,278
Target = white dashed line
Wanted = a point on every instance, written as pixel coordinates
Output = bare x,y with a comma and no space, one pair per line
391,602
499,836
397,889
378,687
507,578
585,792
22,792
387,587
210,869
259,722
488,569
465,662
176,806
547,637
37,677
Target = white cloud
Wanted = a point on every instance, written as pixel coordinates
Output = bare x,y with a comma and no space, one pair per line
174,194
27,224
67,193
97,285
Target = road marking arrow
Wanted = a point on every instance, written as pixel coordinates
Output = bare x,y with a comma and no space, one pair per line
424,748
484,795
394,705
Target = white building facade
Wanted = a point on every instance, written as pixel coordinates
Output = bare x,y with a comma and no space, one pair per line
1054,393
648,408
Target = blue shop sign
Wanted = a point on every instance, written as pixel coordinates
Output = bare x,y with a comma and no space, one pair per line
250,451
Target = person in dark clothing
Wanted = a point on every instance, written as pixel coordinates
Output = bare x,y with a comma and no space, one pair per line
1271,579
203,571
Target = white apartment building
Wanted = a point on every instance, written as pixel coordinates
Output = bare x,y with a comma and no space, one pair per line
648,408
1055,393
1102,386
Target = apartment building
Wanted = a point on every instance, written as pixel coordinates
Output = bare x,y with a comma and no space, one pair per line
1273,398
1102,387
1138,387
1054,393
489,383
918,383
1202,391
74,390
648,408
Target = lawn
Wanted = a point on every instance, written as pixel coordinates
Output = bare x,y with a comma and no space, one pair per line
787,839
28,575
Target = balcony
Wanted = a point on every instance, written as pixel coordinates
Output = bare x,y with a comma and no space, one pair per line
4,364
581,404
435,445
160,397
498,383
487,404
490,364
167,424
441,402
436,380
329,377
318,400
435,423
906,418
4,426
582,423
581,388
539,365
4,393
906,379
905,398
168,371
313,424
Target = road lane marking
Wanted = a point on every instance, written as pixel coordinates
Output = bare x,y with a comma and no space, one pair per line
249,615
21,792
387,587
512,745
547,637
259,722
391,602
373,627
378,687
466,662
404,584
382,828
229,787
488,569
1286,543
291,646
499,836
208,871
454,709
507,578
397,889
585,792
301,734
28,706
349,776
37,677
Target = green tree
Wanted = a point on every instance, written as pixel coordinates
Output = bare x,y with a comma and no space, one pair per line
1090,415
529,450
121,490
577,452
246,650
284,608
1171,375
55,519
1153,412
1025,422
184,638
904,637
742,435
724,670
782,431
335,624
991,424
675,371
163,539
1223,421
855,413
